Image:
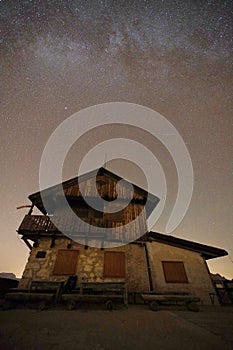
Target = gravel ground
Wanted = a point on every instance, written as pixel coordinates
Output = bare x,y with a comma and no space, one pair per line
216,319
134,328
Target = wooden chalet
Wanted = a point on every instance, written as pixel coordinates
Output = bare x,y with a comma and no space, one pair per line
152,262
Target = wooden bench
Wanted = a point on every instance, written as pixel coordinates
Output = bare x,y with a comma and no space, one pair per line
106,292
44,292
47,292
155,299
53,287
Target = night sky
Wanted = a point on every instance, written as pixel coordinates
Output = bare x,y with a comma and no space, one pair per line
175,57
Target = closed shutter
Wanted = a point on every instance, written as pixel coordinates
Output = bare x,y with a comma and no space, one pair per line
174,272
66,262
114,264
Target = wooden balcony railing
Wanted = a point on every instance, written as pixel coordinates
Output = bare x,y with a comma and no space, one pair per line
43,224
37,223
40,224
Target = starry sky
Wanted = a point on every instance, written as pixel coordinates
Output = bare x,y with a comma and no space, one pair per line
58,57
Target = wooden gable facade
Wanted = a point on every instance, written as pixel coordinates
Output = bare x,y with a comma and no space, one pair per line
106,184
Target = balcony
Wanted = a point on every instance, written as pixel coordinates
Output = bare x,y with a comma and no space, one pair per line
43,224
40,225
36,224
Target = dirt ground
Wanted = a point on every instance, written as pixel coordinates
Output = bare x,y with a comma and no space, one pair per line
217,320
134,328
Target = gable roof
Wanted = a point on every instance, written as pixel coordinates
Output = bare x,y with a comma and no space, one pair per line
208,252
36,199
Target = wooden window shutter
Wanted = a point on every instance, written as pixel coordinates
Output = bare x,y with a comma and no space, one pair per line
66,262
174,272
114,264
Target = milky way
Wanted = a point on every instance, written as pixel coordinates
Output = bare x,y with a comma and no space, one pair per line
173,56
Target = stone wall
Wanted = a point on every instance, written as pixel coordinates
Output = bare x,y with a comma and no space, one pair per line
90,264
199,282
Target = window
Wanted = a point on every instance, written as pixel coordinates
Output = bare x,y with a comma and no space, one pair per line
114,264
66,262
40,254
174,272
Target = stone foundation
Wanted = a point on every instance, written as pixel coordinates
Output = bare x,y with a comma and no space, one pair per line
90,264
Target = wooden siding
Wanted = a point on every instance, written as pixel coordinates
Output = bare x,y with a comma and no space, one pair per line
106,188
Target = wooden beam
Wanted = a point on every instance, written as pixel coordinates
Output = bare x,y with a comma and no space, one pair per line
27,243
31,209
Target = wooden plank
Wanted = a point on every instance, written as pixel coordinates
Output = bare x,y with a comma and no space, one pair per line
168,297
105,288
44,285
21,297
91,298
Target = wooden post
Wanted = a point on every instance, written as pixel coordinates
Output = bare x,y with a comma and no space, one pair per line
26,242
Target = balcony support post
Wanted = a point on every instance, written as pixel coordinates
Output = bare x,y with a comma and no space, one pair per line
26,242
31,209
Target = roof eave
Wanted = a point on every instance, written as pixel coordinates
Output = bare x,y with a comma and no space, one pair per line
208,252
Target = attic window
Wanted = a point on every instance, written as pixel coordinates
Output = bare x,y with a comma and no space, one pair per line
40,254
174,272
